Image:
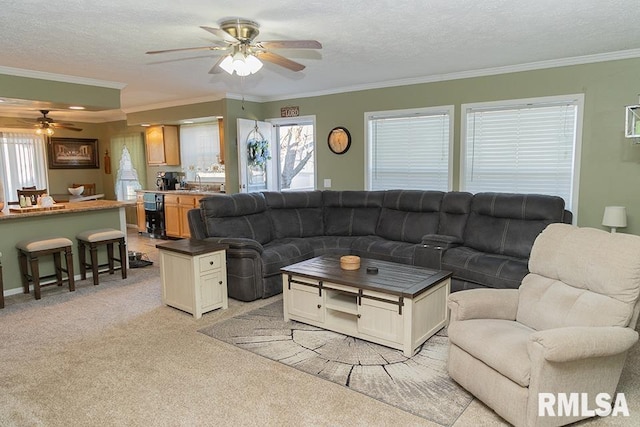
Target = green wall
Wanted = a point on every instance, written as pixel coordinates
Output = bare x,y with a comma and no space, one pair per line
610,164
59,93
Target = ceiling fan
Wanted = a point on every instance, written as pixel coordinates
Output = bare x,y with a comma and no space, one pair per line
245,54
46,125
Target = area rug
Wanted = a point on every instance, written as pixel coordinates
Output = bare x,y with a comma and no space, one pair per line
419,385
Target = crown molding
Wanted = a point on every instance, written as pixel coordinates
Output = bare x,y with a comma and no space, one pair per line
19,72
175,103
250,98
531,66
190,101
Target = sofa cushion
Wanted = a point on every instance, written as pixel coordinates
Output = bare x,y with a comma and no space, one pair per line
282,252
331,245
500,344
296,213
454,211
238,215
387,250
407,215
507,224
497,271
546,303
351,213
586,287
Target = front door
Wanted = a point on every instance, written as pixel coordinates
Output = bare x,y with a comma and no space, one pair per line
256,165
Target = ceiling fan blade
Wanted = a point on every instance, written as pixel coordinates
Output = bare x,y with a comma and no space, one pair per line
280,60
216,68
61,126
16,126
291,44
221,34
153,52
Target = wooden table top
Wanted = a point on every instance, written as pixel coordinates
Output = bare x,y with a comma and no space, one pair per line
192,247
392,278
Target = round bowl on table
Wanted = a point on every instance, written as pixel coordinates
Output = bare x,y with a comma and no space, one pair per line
76,191
350,262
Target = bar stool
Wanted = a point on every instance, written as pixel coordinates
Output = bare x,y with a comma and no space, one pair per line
95,238
29,252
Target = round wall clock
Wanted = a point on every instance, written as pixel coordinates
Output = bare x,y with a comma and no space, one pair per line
339,140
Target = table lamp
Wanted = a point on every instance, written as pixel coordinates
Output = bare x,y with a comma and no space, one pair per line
614,217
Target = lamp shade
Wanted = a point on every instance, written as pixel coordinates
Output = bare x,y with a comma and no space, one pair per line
615,216
227,64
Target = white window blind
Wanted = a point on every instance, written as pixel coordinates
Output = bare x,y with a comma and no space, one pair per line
521,148
409,150
23,162
200,150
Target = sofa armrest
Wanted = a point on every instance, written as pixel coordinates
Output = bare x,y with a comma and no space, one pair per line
196,224
440,241
238,243
484,304
582,342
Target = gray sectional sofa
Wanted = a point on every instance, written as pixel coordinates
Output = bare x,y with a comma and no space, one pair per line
485,239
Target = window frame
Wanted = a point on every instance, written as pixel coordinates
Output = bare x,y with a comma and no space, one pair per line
421,111
576,99
292,121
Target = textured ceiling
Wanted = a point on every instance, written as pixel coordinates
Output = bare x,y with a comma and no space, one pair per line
365,43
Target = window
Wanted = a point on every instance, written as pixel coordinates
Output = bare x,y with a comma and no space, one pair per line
523,146
296,153
200,152
22,162
409,149
128,154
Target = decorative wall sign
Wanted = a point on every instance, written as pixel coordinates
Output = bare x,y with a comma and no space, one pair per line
339,140
290,111
73,153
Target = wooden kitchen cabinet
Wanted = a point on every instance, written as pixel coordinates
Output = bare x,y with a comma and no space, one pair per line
172,215
140,214
186,204
176,207
162,145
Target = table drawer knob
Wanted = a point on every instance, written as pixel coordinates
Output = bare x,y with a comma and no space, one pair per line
319,306
210,262
359,316
220,282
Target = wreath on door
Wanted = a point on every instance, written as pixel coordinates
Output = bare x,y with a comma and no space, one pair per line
258,148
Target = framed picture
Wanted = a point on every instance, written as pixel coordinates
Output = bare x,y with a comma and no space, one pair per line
73,153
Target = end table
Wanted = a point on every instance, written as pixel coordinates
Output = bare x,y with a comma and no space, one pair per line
194,275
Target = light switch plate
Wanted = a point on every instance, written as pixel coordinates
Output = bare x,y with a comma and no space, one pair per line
327,183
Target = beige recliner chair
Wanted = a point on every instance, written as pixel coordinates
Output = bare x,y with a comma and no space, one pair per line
567,328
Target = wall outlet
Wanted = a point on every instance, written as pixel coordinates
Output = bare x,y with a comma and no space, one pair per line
327,183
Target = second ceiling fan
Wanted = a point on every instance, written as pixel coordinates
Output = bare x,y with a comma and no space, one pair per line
46,125
244,52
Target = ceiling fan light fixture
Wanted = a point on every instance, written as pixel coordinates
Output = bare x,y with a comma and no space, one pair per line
240,65
45,130
253,63
227,64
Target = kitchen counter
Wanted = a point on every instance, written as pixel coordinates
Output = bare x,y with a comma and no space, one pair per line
67,222
92,205
187,192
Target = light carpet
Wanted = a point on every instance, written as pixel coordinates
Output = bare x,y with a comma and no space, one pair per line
419,385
